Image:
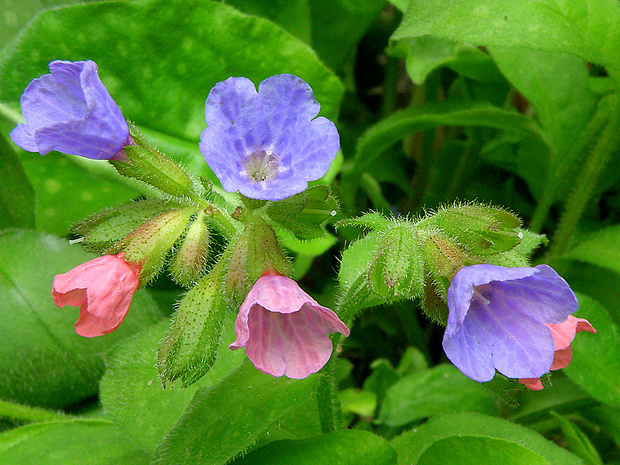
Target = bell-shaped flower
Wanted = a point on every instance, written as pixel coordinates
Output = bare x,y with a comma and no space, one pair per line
268,144
563,334
284,330
102,288
499,320
72,112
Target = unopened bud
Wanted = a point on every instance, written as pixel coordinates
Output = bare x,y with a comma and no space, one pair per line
189,261
482,229
397,269
152,241
254,251
190,347
443,257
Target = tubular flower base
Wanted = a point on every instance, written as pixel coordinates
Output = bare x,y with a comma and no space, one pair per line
284,330
500,319
102,288
563,334
267,145
71,111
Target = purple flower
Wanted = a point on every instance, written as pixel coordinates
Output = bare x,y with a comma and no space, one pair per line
267,145
71,111
284,330
499,320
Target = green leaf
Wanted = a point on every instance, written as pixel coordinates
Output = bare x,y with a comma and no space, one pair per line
240,408
347,447
438,390
595,366
412,445
589,29
337,26
43,361
70,443
303,214
558,87
578,441
292,15
601,248
132,393
401,123
61,195
161,81
471,450
16,193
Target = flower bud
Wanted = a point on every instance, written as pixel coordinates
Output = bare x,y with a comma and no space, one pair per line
254,251
103,230
151,242
443,257
397,269
152,167
189,261
190,347
482,229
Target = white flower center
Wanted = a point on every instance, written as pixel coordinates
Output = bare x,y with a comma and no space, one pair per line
261,165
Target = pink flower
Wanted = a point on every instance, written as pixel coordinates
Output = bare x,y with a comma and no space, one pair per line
563,334
284,330
103,289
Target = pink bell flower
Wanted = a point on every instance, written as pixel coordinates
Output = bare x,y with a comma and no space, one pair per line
284,330
563,334
102,288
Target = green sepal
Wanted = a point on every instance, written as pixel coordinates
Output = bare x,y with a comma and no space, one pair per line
397,267
189,261
305,213
434,303
482,229
373,220
103,230
248,255
149,165
190,347
443,257
151,242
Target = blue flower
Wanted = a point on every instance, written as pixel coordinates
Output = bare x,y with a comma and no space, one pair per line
499,320
267,145
71,111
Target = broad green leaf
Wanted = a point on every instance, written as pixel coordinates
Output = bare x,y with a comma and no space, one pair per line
412,445
226,419
601,248
16,193
42,360
17,13
161,81
596,358
438,390
413,119
132,393
589,29
347,447
292,15
66,192
471,450
337,26
558,87
73,442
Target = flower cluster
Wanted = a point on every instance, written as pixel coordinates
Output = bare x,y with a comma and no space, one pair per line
268,145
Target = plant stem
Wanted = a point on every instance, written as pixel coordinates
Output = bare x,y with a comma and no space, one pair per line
464,164
586,183
558,177
330,414
389,86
